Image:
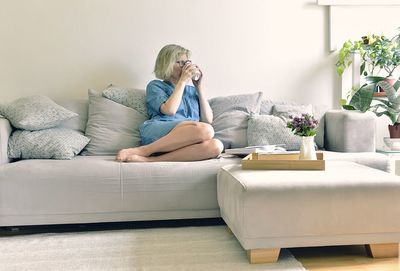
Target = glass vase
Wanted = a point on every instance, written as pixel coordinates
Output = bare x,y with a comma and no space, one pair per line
307,148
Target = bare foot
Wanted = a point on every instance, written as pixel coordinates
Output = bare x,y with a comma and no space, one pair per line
125,153
136,158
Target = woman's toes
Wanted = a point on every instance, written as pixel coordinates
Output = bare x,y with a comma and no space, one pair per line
136,158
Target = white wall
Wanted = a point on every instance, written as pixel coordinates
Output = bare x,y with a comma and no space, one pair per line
61,48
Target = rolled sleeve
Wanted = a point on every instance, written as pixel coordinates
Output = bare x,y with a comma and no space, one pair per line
155,96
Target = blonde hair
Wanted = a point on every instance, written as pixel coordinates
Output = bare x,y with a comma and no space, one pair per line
166,59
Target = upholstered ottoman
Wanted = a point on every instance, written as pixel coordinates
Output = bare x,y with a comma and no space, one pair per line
348,203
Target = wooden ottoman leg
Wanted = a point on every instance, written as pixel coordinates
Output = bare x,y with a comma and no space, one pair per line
263,255
383,250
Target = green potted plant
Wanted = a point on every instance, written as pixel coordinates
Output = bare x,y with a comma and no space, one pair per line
379,55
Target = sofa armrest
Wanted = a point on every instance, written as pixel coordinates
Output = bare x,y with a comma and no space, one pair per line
350,131
5,132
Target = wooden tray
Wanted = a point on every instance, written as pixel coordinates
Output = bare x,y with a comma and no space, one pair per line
282,162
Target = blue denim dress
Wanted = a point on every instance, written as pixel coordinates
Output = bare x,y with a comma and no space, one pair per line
157,92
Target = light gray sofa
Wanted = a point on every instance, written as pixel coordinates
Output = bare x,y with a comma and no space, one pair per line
98,189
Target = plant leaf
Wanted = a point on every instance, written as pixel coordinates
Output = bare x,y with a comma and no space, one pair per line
393,117
385,102
391,94
348,107
373,79
362,68
396,85
362,99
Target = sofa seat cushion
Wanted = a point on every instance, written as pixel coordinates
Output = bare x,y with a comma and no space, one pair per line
41,187
370,159
162,186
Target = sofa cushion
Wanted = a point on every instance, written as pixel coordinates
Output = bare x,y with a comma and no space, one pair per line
370,159
230,117
271,130
130,97
111,126
80,107
53,143
35,113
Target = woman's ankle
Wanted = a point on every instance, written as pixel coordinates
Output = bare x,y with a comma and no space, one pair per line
145,150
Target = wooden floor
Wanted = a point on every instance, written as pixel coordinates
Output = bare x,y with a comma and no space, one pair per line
342,258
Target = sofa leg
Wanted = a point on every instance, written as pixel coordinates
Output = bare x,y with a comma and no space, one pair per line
390,250
264,255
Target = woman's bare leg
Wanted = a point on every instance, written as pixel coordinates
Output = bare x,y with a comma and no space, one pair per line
184,134
200,151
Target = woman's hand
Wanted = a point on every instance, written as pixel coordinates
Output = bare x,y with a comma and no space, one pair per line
197,83
187,72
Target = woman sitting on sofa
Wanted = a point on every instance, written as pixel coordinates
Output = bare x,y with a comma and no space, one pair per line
179,128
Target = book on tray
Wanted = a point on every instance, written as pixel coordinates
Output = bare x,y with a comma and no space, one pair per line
278,148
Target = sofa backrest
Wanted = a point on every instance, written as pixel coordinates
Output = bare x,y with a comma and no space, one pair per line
79,106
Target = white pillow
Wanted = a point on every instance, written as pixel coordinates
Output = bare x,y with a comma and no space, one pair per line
111,126
35,113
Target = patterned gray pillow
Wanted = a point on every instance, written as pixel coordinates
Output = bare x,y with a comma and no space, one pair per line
111,126
285,110
269,107
35,113
271,130
230,117
53,143
133,98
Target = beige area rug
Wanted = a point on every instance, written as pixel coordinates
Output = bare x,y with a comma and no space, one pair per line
175,249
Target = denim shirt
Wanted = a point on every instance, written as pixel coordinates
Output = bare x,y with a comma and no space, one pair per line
157,92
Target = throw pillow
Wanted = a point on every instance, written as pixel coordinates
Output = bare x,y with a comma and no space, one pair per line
285,110
230,117
231,129
111,126
267,108
133,98
35,113
53,143
79,106
249,103
271,130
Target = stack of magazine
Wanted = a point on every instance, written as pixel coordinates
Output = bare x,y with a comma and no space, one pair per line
279,148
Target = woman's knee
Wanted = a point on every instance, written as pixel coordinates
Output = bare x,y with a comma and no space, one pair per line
204,131
213,147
